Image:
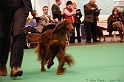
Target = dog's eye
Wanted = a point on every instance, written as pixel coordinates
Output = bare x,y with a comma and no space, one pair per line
68,23
67,28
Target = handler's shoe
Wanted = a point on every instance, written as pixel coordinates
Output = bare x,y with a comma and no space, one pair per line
15,72
3,70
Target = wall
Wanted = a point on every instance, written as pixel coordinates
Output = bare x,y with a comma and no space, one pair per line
105,5
38,4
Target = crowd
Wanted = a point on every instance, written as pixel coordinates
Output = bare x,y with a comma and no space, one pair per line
13,18
72,13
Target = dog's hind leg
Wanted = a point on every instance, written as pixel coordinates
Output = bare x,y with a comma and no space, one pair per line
42,66
62,59
43,61
104,38
99,38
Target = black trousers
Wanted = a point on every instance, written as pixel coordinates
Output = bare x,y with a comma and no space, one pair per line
5,28
77,26
72,36
13,22
90,31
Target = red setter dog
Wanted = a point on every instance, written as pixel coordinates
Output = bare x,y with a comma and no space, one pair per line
52,43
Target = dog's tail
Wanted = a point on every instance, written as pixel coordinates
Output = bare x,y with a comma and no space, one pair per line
37,48
38,51
69,60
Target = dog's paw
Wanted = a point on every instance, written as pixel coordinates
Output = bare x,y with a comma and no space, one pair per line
49,65
43,70
61,71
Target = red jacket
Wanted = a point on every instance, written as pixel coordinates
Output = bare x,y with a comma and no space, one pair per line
71,18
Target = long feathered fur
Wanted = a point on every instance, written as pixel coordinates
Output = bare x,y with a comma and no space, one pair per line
52,43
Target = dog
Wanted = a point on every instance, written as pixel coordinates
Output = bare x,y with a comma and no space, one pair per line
33,37
99,32
52,43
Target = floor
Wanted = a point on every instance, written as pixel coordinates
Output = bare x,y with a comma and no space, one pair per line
94,62
109,40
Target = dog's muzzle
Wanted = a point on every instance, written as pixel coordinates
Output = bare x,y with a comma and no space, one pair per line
72,30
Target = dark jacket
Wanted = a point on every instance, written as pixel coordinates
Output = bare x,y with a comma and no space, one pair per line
89,15
111,19
28,5
36,18
56,12
11,5
78,15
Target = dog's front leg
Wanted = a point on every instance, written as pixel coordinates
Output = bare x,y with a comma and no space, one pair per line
50,57
61,69
50,62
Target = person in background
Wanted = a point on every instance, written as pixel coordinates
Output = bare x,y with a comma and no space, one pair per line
45,19
114,23
13,15
35,16
77,23
33,21
56,12
69,13
91,13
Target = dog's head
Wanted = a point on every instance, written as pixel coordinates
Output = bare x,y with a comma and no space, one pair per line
65,26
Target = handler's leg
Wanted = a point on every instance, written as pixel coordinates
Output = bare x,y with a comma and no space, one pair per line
19,39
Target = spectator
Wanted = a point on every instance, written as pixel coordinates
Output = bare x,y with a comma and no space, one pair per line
77,23
69,13
91,13
35,15
114,23
56,12
45,19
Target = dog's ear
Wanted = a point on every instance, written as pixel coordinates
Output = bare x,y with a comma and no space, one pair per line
62,25
67,22
59,26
